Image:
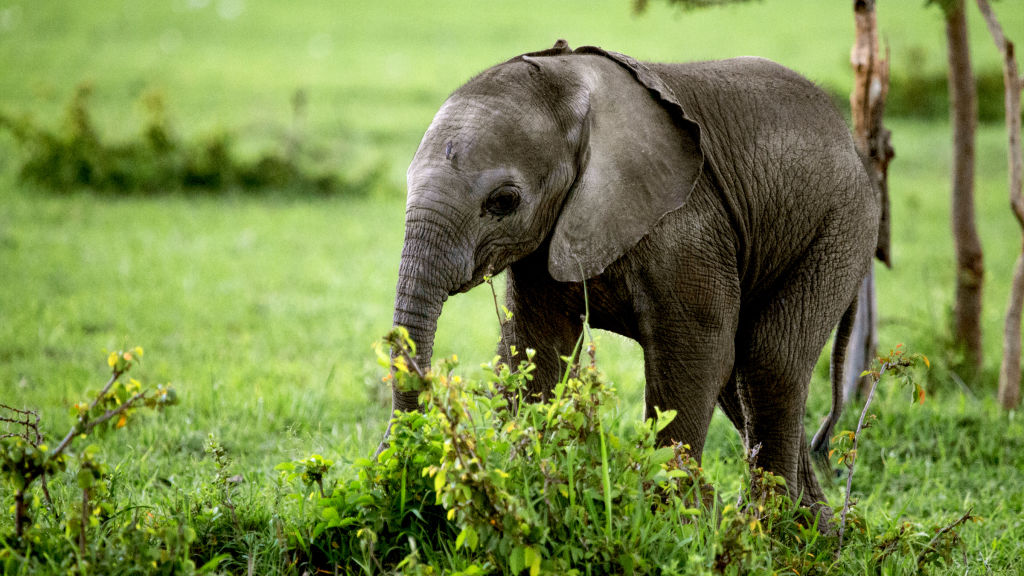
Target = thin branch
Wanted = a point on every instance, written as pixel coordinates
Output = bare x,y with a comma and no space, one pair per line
1014,86
116,411
48,498
856,441
501,324
1010,369
75,430
28,420
412,364
945,529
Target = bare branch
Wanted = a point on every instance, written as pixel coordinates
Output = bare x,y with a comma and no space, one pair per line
945,529
28,420
873,142
856,442
1010,370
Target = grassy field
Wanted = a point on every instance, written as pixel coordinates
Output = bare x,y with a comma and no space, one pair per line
262,310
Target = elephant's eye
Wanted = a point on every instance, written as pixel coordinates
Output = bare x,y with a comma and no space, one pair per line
502,202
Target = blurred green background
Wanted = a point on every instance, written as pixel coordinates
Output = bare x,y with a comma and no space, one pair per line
376,72
261,309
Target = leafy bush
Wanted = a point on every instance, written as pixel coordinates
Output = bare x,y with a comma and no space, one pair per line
916,93
484,481
156,160
923,94
95,533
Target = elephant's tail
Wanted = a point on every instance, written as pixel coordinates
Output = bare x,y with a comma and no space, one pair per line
819,445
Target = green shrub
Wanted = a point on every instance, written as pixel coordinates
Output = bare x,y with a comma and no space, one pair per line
91,532
482,481
156,160
485,482
920,93
916,93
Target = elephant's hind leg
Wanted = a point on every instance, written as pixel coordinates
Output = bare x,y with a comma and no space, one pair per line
778,343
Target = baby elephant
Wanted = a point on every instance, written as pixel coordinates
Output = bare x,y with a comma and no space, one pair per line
717,211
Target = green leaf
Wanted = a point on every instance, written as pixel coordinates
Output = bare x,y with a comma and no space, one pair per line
663,419
662,455
467,537
362,500
85,479
626,561
532,560
516,560
439,479
211,566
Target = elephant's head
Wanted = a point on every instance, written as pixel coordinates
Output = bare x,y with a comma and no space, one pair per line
575,153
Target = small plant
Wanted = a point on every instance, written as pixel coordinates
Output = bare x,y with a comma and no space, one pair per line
311,471
224,481
897,364
26,458
484,481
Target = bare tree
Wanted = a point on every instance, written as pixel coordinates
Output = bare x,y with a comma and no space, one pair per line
867,106
1009,370
970,269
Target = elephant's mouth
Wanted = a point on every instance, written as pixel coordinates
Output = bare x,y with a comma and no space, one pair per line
467,286
475,280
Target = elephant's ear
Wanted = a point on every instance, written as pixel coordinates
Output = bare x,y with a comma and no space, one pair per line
640,159
560,48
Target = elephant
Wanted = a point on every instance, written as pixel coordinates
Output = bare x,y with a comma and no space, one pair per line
718,213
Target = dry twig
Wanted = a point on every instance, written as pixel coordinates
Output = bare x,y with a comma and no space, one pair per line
1009,370
944,530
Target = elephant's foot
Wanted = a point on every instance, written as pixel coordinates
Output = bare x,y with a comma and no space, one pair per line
812,496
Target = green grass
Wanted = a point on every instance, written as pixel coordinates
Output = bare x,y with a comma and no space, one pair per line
261,311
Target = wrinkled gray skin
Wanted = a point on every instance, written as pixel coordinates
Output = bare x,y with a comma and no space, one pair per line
717,210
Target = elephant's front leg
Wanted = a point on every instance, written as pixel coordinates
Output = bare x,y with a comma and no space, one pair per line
688,336
687,364
545,317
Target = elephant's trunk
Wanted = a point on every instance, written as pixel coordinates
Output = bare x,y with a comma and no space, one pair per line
429,271
417,307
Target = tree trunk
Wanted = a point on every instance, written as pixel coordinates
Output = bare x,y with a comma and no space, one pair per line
867,105
1009,370
970,266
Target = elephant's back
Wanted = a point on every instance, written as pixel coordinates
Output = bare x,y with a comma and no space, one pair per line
778,152
748,83
751,108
